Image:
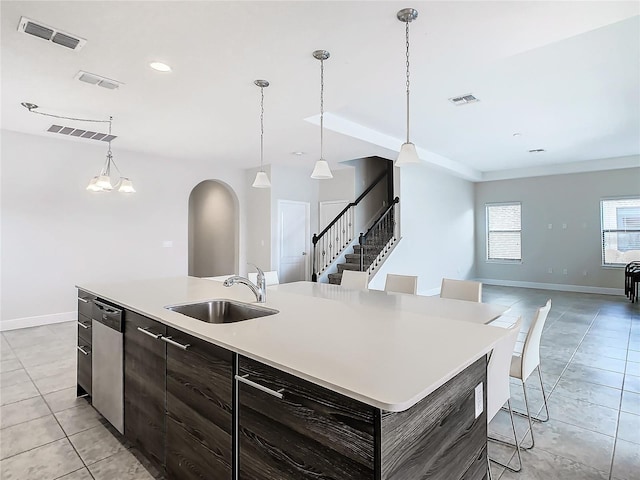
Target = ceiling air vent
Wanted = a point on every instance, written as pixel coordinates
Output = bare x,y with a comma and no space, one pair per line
537,150
94,79
77,132
464,99
40,30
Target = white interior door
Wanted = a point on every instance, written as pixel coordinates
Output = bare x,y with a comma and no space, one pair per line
329,211
294,234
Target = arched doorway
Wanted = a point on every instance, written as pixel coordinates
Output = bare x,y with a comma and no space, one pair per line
213,230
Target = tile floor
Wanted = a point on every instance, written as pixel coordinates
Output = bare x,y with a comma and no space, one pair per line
590,363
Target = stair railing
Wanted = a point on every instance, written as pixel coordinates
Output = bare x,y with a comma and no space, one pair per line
378,239
330,242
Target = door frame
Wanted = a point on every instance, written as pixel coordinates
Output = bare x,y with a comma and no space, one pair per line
307,235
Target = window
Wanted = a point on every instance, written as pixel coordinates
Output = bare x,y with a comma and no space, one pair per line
504,232
620,230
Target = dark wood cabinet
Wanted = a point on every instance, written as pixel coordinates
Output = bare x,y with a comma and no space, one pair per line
85,305
199,408
145,386
309,433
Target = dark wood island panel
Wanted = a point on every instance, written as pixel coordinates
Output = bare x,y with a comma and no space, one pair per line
439,438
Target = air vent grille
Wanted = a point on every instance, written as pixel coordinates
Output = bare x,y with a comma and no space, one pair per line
53,35
99,80
464,99
537,150
78,132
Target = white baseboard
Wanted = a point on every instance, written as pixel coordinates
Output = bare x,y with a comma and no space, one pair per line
553,286
25,322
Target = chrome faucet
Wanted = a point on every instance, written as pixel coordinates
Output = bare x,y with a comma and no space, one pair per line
259,290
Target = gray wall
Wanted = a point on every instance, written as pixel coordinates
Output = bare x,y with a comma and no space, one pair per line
258,216
366,171
213,230
437,227
55,234
572,199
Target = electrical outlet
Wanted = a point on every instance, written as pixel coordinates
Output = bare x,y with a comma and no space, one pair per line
479,400
167,243
564,225
584,273
550,226
564,272
549,270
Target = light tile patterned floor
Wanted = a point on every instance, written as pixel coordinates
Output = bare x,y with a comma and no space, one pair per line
590,363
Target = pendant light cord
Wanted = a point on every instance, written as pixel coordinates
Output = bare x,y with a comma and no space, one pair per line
109,161
321,109
261,127
407,38
32,108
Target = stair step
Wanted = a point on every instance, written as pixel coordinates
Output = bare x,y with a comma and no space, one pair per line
335,278
368,248
348,266
355,257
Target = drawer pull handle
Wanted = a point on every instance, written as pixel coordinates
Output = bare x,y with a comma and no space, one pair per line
175,344
80,349
83,300
83,325
151,334
245,380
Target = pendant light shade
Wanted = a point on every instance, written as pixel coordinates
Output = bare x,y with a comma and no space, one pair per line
262,179
321,171
408,153
126,186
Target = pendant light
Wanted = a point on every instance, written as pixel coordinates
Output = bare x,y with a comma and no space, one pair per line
321,171
408,154
262,180
102,181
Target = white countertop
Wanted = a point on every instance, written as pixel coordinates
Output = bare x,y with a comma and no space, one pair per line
386,350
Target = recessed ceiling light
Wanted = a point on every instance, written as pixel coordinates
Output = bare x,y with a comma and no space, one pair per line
537,150
159,66
517,134
297,153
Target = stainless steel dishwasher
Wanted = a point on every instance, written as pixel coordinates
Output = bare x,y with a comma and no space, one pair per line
107,363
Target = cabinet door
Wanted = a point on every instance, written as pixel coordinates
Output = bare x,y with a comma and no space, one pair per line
144,385
199,408
309,433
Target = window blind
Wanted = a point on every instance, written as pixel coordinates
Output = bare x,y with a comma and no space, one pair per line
620,232
504,232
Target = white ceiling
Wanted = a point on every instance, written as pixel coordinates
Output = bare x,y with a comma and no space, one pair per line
565,75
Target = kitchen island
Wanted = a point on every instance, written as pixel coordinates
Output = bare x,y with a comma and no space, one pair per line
338,384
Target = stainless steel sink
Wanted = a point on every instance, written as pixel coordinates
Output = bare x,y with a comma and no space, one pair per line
222,311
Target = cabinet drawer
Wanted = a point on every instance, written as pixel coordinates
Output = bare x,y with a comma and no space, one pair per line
310,430
85,303
199,391
84,328
144,385
84,364
188,459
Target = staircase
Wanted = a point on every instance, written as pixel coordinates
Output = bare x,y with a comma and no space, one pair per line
373,248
